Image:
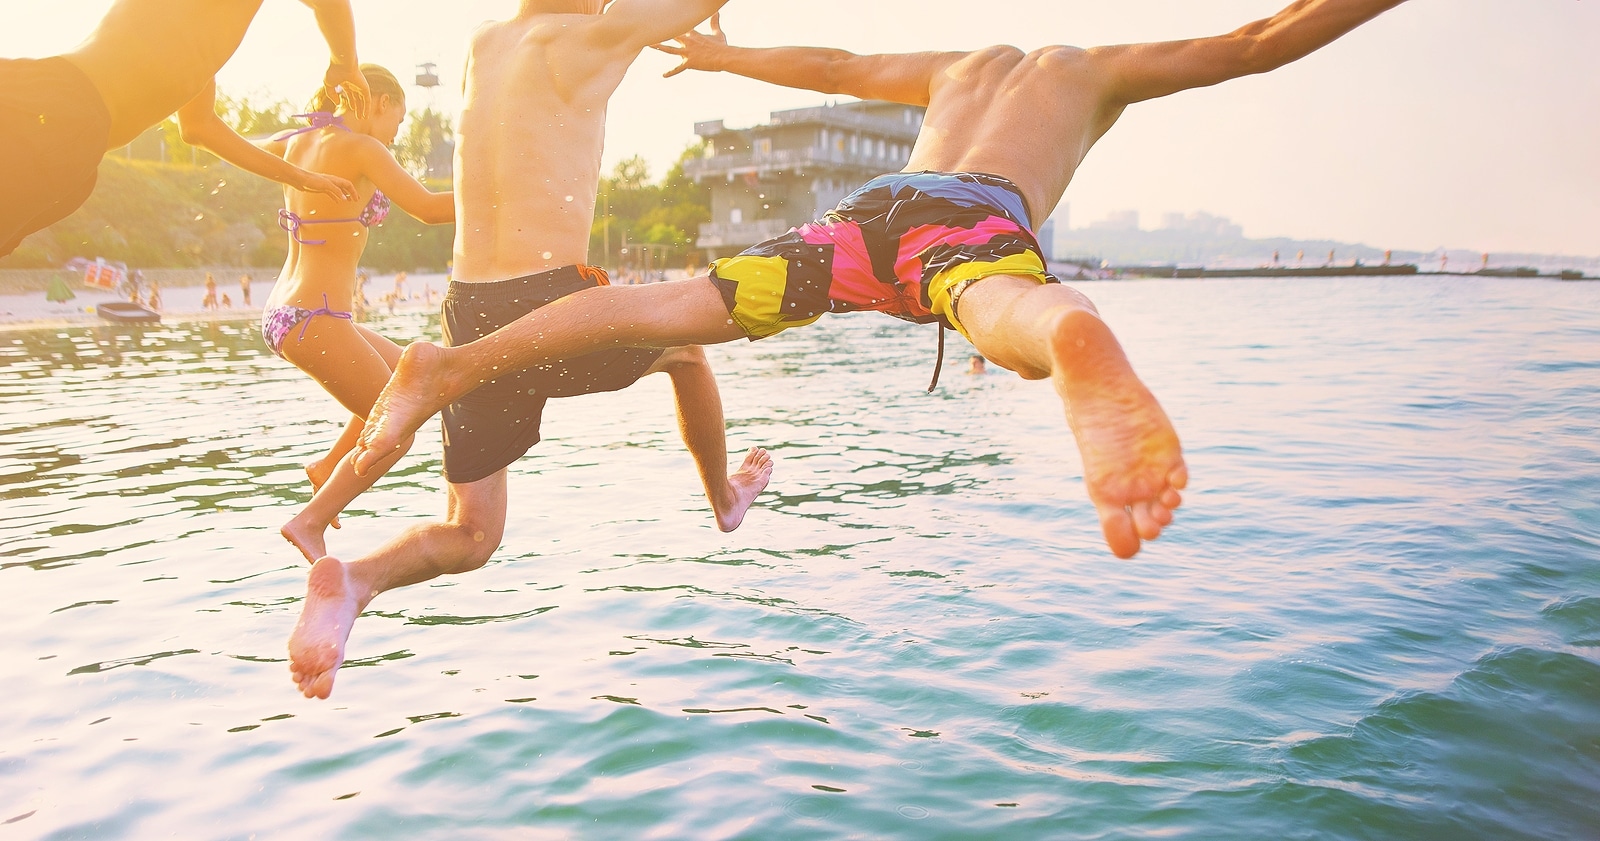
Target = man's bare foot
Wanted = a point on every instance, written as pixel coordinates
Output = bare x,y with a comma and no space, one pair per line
319,472
307,539
415,392
316,648
743,488
1132,461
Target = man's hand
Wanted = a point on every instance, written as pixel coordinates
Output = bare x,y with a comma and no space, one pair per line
695,49
344,83
328,185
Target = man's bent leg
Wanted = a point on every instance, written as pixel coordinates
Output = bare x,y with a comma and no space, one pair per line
701,423
430,377
337,592
1132,461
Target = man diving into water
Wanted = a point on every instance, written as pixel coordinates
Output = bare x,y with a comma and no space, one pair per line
526,178
951,236
145,61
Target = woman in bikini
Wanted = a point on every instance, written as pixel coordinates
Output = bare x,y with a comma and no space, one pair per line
307,319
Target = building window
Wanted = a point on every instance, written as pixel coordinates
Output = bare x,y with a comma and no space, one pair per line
735,216
764,146
822,139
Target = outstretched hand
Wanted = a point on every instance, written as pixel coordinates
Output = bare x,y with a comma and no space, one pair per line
328,185
345,83
695,47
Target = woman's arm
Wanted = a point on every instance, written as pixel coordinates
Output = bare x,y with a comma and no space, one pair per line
379,166
199,125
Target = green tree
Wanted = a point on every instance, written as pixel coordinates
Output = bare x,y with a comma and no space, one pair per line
425,147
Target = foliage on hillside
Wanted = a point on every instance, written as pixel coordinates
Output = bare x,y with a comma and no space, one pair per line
162,203
664,217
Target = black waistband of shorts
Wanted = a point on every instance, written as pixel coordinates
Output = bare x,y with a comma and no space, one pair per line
561,281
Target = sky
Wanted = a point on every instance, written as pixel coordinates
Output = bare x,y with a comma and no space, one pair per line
1468,124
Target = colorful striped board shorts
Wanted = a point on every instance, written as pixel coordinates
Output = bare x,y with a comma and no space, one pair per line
905,244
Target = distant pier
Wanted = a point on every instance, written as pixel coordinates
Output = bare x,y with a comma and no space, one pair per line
1355,270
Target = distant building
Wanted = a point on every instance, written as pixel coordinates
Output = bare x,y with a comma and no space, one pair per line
1121,220
1203,224
769,178
1047,239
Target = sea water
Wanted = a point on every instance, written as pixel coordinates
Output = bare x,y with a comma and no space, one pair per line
1376,616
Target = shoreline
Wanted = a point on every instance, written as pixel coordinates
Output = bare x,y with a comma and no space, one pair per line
181,305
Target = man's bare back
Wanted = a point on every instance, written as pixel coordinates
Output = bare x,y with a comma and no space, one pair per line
1032,117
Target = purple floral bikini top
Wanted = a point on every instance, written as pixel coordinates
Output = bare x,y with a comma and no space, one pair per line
374,213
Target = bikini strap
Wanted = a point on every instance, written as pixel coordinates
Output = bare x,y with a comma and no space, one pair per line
290,222
326,310
594,274
317,119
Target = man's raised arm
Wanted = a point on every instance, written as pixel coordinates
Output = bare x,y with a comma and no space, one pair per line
632,25
904,78
1137,72
338,25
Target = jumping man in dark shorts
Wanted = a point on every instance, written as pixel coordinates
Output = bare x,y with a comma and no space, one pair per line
148,59
527,175
1022,121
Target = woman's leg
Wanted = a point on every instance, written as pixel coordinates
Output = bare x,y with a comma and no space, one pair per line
320,470
352,363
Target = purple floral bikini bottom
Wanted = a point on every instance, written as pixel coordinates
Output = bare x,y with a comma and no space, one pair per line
276,322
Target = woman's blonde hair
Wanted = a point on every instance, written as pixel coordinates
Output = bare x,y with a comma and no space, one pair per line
379,80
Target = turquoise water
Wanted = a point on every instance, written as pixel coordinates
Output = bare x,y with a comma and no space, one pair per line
1378,615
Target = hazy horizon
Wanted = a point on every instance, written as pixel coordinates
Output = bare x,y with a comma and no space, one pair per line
1439,125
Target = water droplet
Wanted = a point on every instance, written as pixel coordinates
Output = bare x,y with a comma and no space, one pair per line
548,255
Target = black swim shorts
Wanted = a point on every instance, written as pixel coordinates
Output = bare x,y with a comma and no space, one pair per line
53,132
497,424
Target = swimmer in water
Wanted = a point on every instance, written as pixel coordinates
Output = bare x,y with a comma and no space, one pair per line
308,318
951,237
147,60
527,178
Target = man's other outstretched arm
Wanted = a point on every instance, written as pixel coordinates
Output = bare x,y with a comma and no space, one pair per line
906,78
1137,72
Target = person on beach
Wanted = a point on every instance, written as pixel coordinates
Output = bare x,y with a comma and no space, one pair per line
209,302
147,60
950,237
309,317
527,177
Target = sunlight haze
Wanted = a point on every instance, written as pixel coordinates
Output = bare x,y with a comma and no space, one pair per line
1443,123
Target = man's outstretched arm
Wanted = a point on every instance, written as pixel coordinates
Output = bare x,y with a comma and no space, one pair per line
905,78
1137,72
